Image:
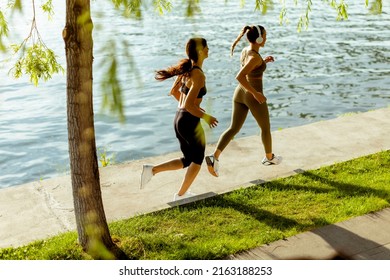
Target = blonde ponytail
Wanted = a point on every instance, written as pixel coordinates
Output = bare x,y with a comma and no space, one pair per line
243,31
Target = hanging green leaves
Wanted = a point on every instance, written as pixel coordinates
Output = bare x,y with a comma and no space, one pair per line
35,59
3,31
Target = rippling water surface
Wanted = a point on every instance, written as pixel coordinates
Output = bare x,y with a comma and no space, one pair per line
332,69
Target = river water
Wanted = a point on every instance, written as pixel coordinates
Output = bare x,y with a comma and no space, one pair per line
329,70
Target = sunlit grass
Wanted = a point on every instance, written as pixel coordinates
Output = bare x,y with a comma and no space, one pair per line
217,227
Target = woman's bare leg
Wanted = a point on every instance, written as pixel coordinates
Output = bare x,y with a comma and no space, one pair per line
192,172
173,164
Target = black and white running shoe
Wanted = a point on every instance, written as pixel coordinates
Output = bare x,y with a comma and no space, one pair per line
212,165
275,160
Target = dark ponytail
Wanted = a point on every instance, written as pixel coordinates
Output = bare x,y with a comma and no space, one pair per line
251,34
243,31
185,65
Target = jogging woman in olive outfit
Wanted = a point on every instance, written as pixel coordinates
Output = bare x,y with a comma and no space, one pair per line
248,96
188,89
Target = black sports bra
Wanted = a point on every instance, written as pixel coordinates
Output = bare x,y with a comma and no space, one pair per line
202,92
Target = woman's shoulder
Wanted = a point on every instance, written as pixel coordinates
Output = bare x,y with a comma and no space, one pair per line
250,55
196,70
247,51
197,75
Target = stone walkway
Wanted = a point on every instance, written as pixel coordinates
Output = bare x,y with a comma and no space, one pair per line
41,209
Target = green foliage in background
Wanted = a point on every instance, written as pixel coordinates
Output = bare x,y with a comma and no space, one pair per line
104,158
37,61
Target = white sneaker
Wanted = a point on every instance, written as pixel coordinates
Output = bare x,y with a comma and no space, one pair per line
185,195
212,165
273,161
146,176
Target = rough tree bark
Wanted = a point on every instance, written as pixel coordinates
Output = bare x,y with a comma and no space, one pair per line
92,227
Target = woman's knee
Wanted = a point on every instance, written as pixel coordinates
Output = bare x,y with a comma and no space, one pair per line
195,155
186,162
232,131
199,157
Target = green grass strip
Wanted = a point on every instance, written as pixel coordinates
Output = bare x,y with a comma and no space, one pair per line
243,219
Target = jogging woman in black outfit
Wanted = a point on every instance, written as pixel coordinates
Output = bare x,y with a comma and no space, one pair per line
188,89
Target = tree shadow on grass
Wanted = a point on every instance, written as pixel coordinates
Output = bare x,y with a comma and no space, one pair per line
283,223
346,189
275,220
346,244
349,189
223,201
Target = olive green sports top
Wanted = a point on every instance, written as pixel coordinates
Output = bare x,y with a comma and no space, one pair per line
256,73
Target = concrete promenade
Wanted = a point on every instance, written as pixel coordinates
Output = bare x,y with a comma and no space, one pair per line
41,209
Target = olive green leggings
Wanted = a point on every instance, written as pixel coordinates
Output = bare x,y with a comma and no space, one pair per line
242,103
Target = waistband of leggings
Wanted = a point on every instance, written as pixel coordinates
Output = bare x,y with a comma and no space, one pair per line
182,110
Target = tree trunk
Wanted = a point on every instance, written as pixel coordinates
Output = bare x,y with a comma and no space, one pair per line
92,227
